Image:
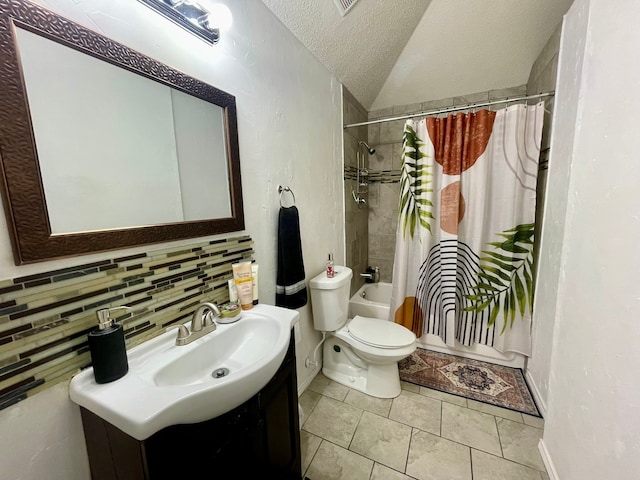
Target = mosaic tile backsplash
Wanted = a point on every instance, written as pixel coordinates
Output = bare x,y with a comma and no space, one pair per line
45,318
373,176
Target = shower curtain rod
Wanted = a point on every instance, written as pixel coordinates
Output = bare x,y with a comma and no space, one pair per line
454,109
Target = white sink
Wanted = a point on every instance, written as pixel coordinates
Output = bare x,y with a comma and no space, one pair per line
168,384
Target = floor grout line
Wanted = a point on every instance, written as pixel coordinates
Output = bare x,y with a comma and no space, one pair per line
415,430
354,432
314,455
406,463
499,436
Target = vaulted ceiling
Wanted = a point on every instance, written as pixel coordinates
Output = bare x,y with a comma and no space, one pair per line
395,52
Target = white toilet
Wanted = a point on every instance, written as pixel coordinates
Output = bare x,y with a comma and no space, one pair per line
361,353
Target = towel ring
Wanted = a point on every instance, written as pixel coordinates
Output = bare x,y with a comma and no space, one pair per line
282,190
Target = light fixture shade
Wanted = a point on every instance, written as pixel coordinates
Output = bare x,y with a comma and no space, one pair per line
220,17
187,14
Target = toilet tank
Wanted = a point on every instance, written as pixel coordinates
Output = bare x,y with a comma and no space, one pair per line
330,299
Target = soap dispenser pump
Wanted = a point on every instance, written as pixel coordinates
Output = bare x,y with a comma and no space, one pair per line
107,347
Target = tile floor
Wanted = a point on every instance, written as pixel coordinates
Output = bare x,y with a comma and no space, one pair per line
422,434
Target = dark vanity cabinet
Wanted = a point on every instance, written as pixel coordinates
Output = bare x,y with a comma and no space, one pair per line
259,439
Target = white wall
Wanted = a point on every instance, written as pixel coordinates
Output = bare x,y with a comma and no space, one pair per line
566,109
593,410
542,78
289,120
447,54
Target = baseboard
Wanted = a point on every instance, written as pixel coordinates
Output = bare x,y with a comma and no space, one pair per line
544,453
542,406
307,381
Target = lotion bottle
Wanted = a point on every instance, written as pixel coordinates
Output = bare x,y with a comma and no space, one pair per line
107,347
254,275
244,283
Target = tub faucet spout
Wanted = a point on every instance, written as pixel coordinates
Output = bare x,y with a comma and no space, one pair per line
372,275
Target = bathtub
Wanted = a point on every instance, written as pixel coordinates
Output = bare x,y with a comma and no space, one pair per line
374,300
371,300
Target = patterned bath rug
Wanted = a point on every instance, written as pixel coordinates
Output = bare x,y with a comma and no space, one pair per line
481,381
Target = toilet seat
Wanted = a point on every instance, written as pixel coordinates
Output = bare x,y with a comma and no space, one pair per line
380,333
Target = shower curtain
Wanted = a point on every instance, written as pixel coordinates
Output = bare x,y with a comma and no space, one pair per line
463,267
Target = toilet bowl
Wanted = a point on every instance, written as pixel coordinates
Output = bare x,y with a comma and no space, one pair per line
361,353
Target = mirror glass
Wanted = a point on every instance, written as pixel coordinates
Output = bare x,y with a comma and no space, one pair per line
117,149
102,147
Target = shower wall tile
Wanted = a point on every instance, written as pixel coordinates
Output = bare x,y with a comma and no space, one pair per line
382,221
350,149
470,98
508,92
546,55
544,83
411,108
45,318
374,134
386,267
505,93
357,243
356,217
542,78
391,132
362,132
352,113
396,156
382,159
379,245
389,196
376,247
383,112
436,104
374,198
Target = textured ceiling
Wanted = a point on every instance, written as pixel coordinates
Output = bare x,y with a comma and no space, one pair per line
395,52
361,48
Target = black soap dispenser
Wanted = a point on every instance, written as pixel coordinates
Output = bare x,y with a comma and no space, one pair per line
108,350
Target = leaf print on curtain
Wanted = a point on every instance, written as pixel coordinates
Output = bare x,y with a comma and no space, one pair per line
505,279
415,206
468,180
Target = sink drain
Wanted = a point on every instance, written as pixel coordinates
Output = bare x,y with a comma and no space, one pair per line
220,372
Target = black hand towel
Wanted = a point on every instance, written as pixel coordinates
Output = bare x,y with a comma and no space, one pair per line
291,288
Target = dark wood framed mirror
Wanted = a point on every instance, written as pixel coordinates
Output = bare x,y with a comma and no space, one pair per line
70,167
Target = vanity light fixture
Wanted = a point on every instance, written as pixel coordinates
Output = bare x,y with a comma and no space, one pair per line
193,17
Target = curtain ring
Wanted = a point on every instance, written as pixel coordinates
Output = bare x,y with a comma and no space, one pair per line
282,190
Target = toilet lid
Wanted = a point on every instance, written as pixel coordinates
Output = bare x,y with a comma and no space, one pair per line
380,333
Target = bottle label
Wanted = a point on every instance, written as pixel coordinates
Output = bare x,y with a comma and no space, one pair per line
330,271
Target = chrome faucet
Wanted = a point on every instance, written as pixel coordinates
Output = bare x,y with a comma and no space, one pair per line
372,275
201,324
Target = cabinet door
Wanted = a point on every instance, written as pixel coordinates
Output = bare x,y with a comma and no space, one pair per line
279,426
211,450
113,455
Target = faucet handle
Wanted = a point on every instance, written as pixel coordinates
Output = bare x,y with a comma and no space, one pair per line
208,319
183,332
